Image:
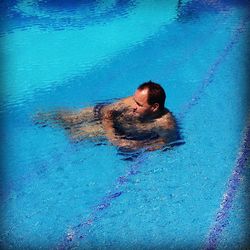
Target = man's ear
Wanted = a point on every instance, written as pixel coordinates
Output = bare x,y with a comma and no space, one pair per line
155,107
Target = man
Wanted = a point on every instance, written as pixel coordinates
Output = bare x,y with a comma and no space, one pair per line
138,121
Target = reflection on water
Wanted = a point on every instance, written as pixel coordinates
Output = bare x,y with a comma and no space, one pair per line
60,14
66,44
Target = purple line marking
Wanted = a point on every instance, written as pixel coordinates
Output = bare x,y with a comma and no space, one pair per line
211,72
83,228
221,220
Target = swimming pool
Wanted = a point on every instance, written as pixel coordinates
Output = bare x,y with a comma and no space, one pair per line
57,194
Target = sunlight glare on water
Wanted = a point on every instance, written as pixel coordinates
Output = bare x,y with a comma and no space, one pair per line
56,55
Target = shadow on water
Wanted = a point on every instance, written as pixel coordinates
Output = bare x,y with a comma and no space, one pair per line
192,10
60,14
60,5
73,4
132,155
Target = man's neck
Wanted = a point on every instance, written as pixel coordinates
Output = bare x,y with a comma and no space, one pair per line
154,116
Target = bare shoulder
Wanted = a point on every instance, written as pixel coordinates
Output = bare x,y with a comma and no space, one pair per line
117,107
125,102
166,127
167,121
120,104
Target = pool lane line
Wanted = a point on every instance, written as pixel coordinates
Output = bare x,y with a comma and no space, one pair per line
212,70
81,230
222,216
197,47
106,201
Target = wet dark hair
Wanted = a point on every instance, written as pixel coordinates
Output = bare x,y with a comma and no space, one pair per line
156,93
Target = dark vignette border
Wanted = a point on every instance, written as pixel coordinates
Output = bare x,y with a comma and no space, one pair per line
183,12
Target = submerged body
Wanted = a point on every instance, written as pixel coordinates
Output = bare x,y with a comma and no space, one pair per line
130,123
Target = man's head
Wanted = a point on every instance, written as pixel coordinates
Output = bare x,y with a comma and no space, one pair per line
149,99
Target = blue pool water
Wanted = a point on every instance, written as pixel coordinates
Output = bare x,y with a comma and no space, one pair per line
63,195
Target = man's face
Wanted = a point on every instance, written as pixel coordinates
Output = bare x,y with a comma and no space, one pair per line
141,108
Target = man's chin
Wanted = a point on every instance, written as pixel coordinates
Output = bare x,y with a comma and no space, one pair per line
137,115
140,117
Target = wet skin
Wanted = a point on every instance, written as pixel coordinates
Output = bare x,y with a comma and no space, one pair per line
133,115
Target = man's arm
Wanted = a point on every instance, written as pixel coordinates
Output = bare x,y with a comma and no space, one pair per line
166,129
153,144
108,117
111,135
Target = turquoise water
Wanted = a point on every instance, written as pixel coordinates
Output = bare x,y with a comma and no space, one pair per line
59,194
